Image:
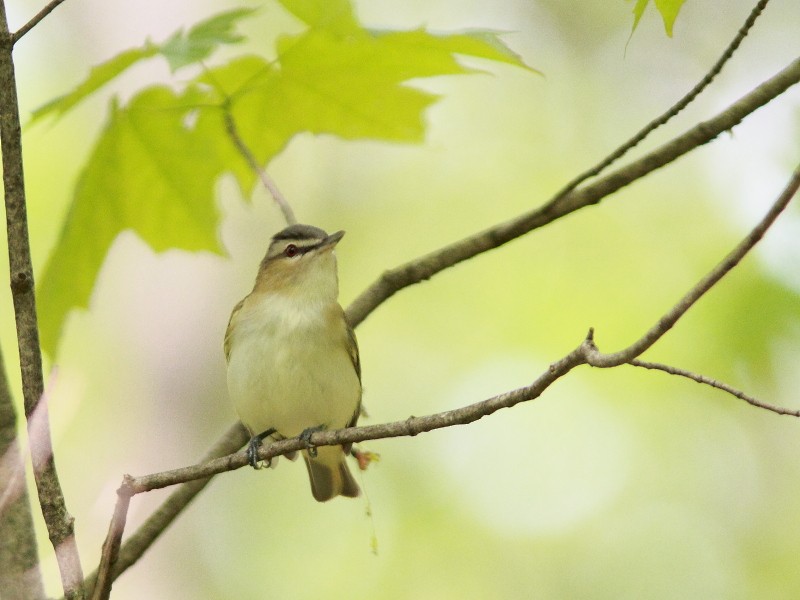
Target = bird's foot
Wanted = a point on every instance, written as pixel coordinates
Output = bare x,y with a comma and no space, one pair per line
305,437
254,445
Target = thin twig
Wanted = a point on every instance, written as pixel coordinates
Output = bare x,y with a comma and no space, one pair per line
51,6
102,589
674,109
266,180
427,266
595,358
59,522
715,384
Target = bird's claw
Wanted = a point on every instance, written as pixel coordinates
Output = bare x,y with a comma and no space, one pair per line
252,452
254,445
305,437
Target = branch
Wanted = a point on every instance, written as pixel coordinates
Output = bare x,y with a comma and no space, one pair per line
429,265
779,410
37,18
266,180
51,499
111,547
597,359
406,428
674,109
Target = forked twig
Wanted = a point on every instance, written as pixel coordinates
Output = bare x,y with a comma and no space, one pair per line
35,20
595,358
674,109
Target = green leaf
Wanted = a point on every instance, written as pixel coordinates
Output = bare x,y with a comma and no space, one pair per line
669,12
148,173
335,16
98,77
638,11
668,8
180,50
184,49
420,46
156,163
350,86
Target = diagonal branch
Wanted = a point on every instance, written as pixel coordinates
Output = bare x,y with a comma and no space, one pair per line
35,20
429,265
406,428
59,522
197,476
665,323
674,109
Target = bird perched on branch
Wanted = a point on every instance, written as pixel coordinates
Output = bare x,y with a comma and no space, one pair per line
293,364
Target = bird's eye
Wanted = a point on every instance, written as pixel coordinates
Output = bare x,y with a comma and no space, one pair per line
290,250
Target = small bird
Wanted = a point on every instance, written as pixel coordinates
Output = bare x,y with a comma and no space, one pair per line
293,363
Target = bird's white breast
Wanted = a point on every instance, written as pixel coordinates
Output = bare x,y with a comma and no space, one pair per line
289,367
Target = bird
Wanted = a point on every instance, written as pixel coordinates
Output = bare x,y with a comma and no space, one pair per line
293,365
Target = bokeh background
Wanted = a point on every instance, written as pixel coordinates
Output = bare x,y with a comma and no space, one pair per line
616,483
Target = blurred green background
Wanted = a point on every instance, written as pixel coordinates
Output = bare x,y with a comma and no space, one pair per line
616,483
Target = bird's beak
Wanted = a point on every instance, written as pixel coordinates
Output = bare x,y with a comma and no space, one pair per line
331,240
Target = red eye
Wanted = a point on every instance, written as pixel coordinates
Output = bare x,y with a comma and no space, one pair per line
290,250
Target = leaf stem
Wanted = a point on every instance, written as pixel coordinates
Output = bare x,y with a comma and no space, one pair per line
266,180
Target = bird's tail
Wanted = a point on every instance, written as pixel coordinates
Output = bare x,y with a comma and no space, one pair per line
329,474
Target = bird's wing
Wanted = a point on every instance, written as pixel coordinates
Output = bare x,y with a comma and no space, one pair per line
352,350
228,331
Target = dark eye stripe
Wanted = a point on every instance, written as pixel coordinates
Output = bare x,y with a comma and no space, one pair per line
299,250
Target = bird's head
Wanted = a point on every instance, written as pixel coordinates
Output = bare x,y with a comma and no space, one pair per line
301,262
